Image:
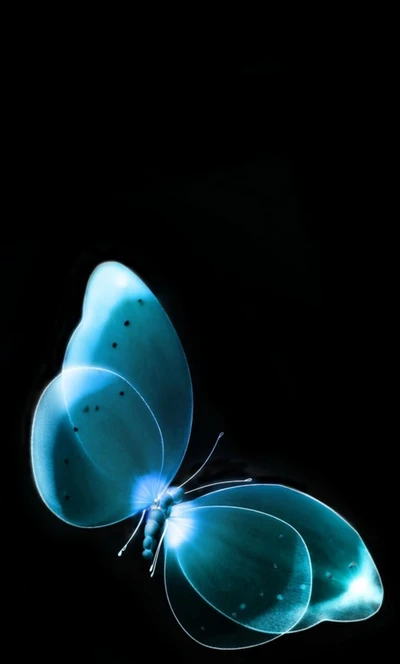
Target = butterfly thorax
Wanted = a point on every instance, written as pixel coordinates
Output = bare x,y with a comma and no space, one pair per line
156,519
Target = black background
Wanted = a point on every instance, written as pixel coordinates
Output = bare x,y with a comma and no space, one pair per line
235,203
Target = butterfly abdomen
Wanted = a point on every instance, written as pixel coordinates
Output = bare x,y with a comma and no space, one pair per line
156,520
152,530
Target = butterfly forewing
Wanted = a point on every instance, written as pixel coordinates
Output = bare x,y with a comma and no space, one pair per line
346,583
125,329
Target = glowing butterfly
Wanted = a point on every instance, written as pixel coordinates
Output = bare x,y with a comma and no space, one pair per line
244,564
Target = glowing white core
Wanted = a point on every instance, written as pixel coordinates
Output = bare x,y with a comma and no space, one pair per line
360,587
122,279
179,530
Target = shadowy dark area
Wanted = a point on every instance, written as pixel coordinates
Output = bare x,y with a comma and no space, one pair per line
236,213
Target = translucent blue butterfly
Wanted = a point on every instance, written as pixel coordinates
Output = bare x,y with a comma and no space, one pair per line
242,564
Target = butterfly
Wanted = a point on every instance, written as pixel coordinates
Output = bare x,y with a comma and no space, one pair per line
243,564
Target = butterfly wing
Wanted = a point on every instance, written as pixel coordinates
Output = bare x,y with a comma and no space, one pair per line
97,451
96,448
234,577
346,583
125,329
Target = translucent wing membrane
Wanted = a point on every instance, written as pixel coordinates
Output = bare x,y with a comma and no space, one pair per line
346,584
199,620
235,577
243,564
125,329
96,448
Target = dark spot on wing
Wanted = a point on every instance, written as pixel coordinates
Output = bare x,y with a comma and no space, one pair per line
76,429
140,301
67,497
86,409
121,394
114,344
97,408
66,461
127,322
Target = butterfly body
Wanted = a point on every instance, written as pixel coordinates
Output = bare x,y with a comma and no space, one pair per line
157,518
242,565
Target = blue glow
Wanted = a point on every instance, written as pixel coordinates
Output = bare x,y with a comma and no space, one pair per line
243,565
180,530
144,491
361,587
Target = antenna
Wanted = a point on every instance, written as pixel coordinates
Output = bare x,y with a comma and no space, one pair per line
202,466
133,534
205,486
157,553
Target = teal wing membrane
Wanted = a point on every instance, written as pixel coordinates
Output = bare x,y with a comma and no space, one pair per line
346,585
125,329
96,448
234,577
98,454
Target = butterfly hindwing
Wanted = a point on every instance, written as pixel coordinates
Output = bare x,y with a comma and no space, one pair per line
199,619
251,573
96,448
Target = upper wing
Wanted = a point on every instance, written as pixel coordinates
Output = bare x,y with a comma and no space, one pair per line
346,583
125,329
234,577
96,448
